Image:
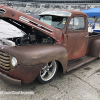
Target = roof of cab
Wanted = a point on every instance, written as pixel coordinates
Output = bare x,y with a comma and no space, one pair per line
62,13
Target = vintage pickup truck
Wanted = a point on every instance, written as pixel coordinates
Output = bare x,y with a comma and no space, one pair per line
59,39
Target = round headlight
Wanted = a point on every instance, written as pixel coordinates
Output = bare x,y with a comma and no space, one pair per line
14,61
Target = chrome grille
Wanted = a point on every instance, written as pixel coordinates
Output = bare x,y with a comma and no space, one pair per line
4,60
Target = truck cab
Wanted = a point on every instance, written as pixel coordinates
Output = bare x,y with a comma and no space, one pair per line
73,26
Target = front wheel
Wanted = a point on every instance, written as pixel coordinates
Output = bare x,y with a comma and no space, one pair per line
48,72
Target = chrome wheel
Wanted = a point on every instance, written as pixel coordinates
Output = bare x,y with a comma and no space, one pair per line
47,72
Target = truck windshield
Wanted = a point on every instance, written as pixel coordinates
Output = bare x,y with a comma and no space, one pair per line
55,21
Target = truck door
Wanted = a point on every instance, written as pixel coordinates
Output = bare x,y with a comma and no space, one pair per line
77,37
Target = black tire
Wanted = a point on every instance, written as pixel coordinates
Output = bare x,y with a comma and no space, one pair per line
48,72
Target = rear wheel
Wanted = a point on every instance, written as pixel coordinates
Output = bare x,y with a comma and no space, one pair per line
47,72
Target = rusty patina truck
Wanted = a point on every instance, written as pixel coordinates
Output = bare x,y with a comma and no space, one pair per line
59,39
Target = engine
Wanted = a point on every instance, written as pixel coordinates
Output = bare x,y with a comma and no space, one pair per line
34,37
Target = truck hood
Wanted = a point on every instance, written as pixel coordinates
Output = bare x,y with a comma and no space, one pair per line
27,23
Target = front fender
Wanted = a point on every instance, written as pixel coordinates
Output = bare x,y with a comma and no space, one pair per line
37,54
31,59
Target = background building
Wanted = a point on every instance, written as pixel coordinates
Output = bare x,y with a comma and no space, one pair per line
58,1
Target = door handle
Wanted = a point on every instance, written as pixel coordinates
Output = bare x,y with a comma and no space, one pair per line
86,36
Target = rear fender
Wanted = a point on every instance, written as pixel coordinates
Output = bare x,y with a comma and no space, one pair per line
94,49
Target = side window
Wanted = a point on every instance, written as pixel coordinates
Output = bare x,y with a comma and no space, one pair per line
77,23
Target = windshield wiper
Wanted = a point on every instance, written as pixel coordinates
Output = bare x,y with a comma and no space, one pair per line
59,23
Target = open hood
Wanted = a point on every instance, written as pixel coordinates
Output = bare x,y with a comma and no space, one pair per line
27,23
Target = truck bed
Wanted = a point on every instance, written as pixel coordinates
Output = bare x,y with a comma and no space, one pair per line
96,32
93,36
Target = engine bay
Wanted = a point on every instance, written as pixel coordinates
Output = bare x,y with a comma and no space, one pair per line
34,37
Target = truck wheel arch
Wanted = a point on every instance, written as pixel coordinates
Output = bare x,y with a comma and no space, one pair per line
44,77
60,67
62,64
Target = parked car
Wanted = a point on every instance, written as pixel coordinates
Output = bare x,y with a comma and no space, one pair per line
58,38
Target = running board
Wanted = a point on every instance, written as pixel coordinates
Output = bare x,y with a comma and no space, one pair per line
79,62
